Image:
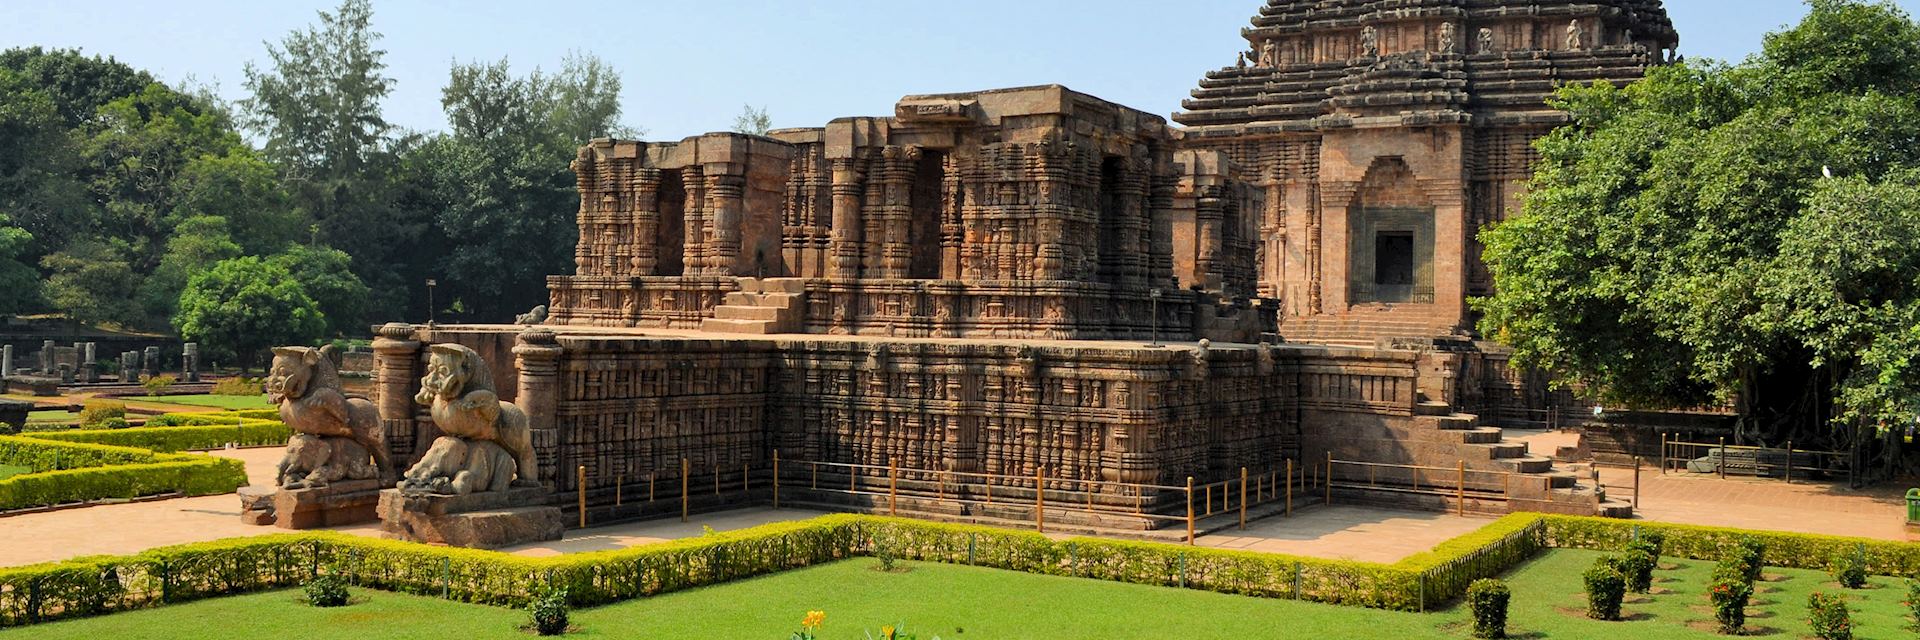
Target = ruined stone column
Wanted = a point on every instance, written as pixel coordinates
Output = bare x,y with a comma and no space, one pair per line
646,221
846,233
6,360
190,362
152,361
1210,214
46,357
396,358
538,358
728,192
89,368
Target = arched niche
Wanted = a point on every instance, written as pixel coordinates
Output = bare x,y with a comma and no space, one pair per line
1390,244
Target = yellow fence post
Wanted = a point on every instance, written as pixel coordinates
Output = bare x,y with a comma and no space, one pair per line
1189,510
1460,493
1789,464
776,478
746,479
1243,498
686,471
1040,499
1722,465
580,482
650,479
1289,486
1636,482
1663,453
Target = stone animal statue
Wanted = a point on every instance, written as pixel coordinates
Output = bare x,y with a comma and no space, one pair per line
487,445
305,385
536,316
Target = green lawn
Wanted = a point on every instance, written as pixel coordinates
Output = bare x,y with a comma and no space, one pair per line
8,470
958,602
52,415
208,400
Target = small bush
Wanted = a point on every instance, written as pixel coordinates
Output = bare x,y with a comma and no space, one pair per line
1653,541
888,562
1829,617
548,613
1849,568
1605,589
1636,565
97,414
158,385
1488,599
238,386
1753,557
1730,597
1912,604
327,591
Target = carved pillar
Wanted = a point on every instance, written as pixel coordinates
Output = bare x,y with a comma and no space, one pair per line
538,357
896,212
846,231
396,360
1160,211
726,189
46,357
583,172
697,217
646,222
6,361
952,202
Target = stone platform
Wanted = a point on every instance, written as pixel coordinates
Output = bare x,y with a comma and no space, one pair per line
482,520
335,505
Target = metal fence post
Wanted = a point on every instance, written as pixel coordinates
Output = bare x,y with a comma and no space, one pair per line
1329,478
1040,499
1460,493
1789,462
1189,520
580,483
1636,483
776,478
1663,453
893,488
686,469
1243,498
1722,465
1289,486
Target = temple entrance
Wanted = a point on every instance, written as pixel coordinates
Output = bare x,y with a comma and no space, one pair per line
1390,246
670,238
923,231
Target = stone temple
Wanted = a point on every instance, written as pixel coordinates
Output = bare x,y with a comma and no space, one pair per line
1047,288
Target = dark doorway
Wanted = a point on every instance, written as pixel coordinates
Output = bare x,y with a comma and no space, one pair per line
1393,259
670,239
923,232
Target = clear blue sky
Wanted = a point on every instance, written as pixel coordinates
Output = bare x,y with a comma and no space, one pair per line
690,66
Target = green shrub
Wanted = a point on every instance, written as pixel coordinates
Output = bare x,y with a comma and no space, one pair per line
327,590
1653,541
1605,589
1829,618
1636,565
1488,598
96,414
1753,557
1730,596
1849,569
237,386
1793,550
202,435
158,385
76,472
548,613
1912,604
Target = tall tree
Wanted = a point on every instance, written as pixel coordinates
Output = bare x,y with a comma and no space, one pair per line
93,281
327,277
76,83
1683,244
244,306
19,282
40,187
319,107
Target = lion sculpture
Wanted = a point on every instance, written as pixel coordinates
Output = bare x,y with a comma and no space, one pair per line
335,437
486,446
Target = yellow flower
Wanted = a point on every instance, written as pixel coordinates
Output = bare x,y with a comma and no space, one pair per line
813,619
886,632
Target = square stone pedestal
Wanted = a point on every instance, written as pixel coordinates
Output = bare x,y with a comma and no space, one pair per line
335,505
487,520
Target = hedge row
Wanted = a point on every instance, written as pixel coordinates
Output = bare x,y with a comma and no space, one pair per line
169,439
1791,550
88,586
77,472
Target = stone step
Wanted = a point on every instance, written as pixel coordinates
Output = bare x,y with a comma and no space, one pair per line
1615,509
1432,408
722,325
751,299
1528,463
1457,422
784,285
734,312
1482,435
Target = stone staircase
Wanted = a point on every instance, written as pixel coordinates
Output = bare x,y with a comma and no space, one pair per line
1360,329
1536,484
761,307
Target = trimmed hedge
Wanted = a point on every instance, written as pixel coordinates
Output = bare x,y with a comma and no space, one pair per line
170,439
1791,550
76,472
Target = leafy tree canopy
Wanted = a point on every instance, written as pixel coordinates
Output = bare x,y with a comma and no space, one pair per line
244,306
1683,242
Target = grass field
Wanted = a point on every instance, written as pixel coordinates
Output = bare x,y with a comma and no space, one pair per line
207,400
52,415
8,470
957,602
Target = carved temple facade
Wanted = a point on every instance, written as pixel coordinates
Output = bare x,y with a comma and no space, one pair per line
1021,213
970,284
1386,134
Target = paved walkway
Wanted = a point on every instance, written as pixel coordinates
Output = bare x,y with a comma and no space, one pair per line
1342,532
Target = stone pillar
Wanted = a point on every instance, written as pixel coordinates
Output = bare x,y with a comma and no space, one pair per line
89,367
46,357
846,232
6,360
728,192
646,221
129,366
895,257
1210,212
151,362
190,362
66,373
538,358
396,360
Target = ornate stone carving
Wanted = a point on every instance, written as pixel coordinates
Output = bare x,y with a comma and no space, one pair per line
1576,36
1448,41
486,441
536,316
335,437
1486,42
1370,42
